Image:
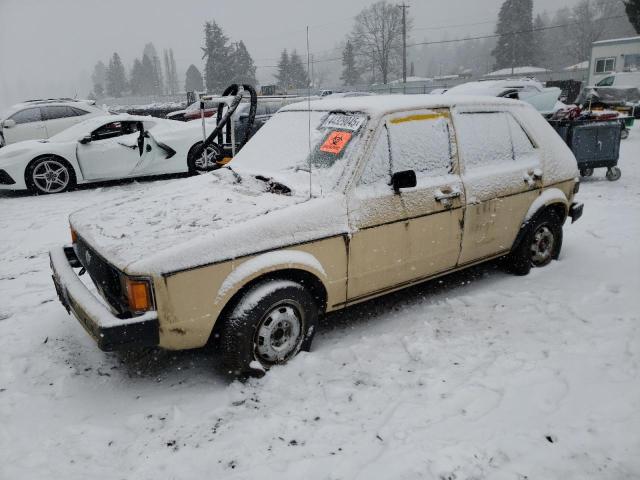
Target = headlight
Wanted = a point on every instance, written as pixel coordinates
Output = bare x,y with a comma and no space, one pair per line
138,294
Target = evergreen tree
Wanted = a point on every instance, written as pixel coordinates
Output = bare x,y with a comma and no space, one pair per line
193,81
244,70
149,77
218,70
283,77
136,78
116,79
98,79
155,77
350,73
170,72
515,46
298,72
632,8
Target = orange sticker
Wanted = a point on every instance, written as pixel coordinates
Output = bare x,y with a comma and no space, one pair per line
335,142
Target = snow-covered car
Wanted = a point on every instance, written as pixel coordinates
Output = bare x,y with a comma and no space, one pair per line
322,209
37,119
102,148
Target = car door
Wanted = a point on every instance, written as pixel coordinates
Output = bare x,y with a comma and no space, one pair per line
405,236
28,126
58,118
502,175
113,151
377,219
423,141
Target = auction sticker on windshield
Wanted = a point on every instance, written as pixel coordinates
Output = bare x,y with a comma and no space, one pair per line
335,142
341,121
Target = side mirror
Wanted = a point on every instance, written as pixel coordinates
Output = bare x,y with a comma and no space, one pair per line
85,139
9,123
404,179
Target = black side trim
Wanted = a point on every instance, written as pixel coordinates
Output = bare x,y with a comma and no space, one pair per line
5,178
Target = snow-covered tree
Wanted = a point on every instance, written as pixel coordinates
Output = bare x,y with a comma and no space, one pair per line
156,77
515,44
283,76
98,78
350,71
244,70
116,78
170,72
632,9
136,78
193,80
218,70
298,71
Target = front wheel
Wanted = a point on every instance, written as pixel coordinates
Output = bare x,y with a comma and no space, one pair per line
586,172
271,323
613,174
50,175
624,134
539,245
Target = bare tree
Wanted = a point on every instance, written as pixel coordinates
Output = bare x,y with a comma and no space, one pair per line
377,38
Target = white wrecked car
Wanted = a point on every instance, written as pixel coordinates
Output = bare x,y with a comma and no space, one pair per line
102,148
403,189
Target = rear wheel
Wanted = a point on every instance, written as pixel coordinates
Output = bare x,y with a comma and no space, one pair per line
613,174
624,134
586,172
272,322
50,174
197,164
539,245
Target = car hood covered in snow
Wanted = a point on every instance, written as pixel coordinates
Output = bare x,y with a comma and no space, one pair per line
186,223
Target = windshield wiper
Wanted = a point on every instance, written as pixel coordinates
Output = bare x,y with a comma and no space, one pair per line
275,187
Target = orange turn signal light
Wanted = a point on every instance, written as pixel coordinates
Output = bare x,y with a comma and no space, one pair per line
139,295
74,235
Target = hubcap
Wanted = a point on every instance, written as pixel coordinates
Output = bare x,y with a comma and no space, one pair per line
210,161
279,333
542,245
51,176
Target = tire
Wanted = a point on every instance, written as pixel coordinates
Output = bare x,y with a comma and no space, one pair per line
586,172
539,245
2,142
273,321
613,174
195,164
624,134
50,174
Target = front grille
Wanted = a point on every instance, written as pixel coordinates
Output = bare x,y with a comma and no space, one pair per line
104,276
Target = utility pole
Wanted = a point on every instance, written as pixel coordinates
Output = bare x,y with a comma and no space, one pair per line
404,41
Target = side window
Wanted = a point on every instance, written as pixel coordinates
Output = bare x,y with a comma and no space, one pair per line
378,168
57,111
28,115
421,141
606,82
110,130
484,139
522,145
78,111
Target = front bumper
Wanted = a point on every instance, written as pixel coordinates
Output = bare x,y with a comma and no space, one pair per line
575,211
110,332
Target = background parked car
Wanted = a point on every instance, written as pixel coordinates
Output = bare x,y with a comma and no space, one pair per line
36,119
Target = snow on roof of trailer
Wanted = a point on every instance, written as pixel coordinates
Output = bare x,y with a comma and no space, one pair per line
617,40
381,104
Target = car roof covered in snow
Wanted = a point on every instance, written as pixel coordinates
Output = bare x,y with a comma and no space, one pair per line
378,105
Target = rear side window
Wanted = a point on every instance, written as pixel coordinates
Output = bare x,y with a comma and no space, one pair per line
27,116
421,141
57,111
491,138
78,111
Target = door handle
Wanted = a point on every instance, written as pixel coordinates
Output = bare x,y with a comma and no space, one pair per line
132,147
446,195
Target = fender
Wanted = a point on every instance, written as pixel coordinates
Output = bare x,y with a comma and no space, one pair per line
268,262
549,196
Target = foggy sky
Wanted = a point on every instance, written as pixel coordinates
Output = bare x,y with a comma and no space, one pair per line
49,47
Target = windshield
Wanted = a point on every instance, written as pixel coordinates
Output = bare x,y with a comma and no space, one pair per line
281,149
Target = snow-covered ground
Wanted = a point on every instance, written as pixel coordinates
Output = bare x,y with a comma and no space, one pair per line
478,375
